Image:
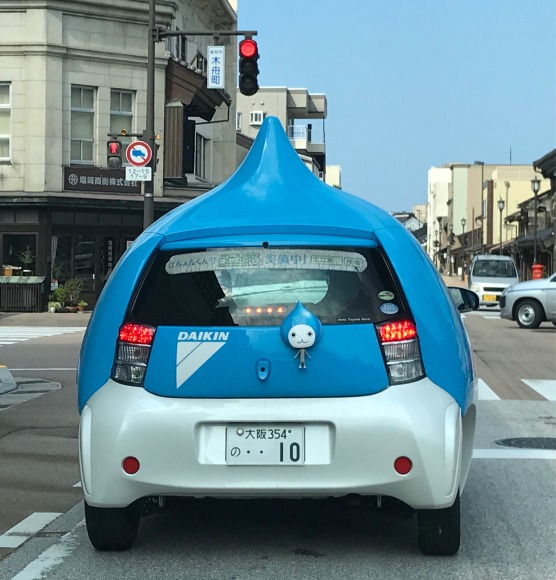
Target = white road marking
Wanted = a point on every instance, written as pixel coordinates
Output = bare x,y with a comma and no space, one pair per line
545,388
78,484
21,532
514,453
491,316
46,369
486,393
50,558
14,334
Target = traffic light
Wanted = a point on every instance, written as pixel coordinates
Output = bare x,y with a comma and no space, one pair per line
114,154
248,67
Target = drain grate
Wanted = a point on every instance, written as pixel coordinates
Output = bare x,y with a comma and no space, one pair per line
529,442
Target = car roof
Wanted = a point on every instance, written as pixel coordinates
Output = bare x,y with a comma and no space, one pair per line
493,257
273,191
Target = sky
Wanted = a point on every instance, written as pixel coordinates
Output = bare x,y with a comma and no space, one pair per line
413,84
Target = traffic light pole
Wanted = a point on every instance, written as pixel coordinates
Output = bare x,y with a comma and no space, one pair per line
157,34
148,207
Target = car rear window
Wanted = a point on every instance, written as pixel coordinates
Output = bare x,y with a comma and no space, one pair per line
261,286
494,269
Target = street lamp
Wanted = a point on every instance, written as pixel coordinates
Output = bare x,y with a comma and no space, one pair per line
451,228
463,222
501,208
436,248
535,186
507,184
482,164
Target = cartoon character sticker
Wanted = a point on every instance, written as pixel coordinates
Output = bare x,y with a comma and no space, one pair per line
301,330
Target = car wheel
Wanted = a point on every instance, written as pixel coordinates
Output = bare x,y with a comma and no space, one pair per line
529,314
111,529
439,530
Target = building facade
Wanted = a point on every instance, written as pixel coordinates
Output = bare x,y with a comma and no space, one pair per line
70,74
301,113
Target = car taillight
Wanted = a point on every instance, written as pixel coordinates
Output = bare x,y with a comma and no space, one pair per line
400,345
132,353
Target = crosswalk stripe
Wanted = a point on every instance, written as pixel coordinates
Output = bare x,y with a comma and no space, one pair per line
486,393
16,334
545,388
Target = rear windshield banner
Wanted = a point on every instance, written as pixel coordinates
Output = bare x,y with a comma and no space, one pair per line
268,259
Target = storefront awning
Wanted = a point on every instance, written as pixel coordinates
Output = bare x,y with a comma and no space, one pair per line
190,88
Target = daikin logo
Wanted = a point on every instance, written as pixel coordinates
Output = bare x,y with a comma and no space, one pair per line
194,349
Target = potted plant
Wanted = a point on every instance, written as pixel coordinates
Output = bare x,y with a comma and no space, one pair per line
58,296
27,258
73,289
81,305
53,306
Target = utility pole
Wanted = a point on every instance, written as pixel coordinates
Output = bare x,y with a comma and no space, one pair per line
157,34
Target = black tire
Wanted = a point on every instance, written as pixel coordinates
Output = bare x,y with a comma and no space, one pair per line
439,530
529,314
111,529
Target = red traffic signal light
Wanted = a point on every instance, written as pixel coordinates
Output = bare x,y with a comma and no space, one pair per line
247,48
114,154
248,67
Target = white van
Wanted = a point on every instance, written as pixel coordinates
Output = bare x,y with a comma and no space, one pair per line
489,276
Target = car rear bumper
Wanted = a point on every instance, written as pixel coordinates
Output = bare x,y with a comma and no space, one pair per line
351,445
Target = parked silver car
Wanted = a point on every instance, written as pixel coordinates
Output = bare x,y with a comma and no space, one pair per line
530,303
489,275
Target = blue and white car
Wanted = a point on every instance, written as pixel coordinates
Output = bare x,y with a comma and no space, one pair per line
275,338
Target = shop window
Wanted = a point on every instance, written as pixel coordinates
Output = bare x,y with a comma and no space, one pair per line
61,258
5,122
20,252
84,261
121,114
82,124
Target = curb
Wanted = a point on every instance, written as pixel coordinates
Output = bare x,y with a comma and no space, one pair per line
7,382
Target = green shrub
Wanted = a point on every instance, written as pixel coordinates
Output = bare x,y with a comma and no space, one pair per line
59,295
73,289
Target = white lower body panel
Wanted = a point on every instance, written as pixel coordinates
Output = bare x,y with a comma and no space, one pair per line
351,444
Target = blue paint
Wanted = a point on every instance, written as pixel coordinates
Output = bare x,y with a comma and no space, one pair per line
273,197
346,361
389,308
99,344
300,315
445,348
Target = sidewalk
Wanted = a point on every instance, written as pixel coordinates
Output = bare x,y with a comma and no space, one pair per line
454,281
44,319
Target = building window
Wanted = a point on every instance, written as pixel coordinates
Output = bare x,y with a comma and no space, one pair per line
82,124
20,254
257,117
238,121
121,114
5,121
201,156
182,48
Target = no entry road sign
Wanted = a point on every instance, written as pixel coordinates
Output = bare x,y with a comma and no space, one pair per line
138,153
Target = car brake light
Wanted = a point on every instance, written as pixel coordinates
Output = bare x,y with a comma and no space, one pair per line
132,353
137,333
400,345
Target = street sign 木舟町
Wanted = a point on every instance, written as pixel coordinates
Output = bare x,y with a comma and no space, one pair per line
216,58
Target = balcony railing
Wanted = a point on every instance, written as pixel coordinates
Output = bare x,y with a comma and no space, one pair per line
305,133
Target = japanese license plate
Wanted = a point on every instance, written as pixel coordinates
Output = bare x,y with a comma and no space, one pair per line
265,445
489,297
